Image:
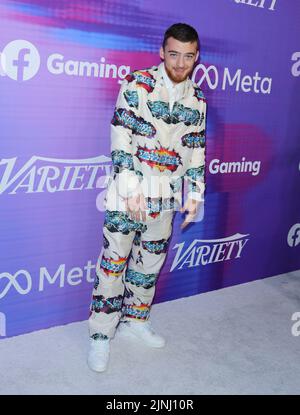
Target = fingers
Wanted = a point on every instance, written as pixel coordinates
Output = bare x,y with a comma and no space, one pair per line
143,213
144,202
184,224
184,208
133,214
136,210
143,207
131,207
192,212
128,211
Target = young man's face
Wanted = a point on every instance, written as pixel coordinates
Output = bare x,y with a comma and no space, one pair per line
179,58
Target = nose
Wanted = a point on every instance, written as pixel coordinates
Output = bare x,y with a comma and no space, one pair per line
180,62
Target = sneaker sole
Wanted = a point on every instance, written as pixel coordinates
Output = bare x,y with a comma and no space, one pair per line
97,369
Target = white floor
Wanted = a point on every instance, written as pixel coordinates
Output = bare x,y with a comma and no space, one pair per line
237,340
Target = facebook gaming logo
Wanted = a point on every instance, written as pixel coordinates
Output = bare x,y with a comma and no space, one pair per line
293,238
19,60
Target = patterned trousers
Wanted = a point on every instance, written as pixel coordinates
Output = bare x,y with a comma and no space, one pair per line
127,269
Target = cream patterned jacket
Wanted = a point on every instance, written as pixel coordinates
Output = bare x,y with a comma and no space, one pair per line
153,148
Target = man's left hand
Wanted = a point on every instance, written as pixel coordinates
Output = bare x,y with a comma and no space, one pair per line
192,206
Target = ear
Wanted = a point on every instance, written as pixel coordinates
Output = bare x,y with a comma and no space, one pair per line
197,55
161,53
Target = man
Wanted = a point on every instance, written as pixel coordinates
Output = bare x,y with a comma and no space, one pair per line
157,140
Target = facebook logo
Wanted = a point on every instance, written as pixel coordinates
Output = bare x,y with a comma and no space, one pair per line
20,60
2,325
294,235
21,63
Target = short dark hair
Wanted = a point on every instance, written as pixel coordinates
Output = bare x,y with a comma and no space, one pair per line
182,32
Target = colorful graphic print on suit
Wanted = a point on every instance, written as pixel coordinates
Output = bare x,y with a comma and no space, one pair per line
147,139
161,159
128,295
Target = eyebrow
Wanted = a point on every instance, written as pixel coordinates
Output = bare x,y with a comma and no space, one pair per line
174,51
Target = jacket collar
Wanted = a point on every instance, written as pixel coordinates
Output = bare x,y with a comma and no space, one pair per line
183,87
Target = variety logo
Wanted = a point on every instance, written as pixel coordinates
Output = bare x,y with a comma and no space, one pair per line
20,61
296,66
268,4
216,166
2,325
22,281
208,251
239,81
293,238
42,174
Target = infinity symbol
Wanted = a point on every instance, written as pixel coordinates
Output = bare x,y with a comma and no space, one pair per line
12,280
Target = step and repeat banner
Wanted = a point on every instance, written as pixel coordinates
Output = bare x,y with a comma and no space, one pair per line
61,65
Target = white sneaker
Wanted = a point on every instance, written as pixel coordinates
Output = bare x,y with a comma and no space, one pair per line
98,355
143,331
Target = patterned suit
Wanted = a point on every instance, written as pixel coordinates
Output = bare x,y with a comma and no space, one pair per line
153,150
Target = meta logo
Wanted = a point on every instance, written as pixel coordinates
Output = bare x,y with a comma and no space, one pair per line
2,325
296,66
293,238
240,82
270,4
208,251
20,60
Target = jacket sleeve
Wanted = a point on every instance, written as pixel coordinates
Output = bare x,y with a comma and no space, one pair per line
195,173
122,125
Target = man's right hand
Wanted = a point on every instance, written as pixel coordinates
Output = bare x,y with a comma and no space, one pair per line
136,207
